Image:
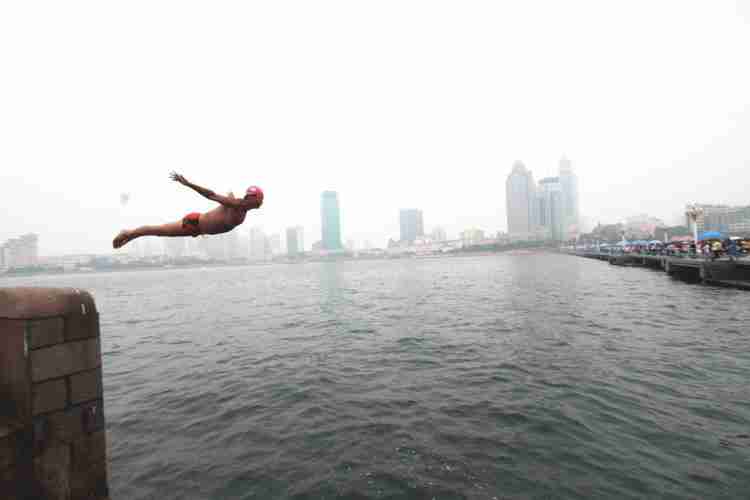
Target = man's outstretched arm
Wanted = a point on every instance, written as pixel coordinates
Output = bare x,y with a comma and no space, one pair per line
207,193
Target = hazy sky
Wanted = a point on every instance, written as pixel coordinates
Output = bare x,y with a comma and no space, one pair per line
393,104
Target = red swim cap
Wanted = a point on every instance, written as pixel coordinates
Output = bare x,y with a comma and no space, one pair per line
255,192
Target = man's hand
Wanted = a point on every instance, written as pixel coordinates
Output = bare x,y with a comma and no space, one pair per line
207,193
178,178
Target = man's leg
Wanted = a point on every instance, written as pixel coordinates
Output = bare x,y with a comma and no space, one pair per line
171,229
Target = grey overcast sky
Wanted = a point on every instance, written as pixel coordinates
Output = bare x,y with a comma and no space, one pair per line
394,104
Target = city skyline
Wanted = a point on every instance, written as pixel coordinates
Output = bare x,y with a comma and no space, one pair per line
547,194
548,209
23,251
418,119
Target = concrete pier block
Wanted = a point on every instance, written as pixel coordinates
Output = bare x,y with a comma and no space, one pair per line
52,427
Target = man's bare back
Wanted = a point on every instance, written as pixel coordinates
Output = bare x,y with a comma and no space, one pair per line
230,213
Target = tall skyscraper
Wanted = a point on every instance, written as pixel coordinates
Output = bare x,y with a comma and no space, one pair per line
412,224
550,208
569,189
330,220
295,240
521,200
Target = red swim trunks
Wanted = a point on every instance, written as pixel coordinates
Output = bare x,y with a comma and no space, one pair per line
191,223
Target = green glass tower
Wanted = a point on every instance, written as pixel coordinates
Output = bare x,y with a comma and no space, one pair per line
330,220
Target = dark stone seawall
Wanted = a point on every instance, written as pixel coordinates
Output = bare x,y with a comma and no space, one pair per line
52,433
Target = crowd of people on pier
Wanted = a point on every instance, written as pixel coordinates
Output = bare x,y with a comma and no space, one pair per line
714,248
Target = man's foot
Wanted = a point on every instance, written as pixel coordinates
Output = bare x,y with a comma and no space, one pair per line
122,238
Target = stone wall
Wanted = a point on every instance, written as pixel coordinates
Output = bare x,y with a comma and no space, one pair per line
52,437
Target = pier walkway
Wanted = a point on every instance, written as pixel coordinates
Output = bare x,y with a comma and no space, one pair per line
725,272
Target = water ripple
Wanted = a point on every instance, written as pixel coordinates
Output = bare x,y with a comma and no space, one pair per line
507,376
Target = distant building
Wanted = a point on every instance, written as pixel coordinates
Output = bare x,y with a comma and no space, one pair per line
642,226
520,196
330,221
233,248
571,217
151,247
472,236
291,242
20,252
193,248
667,233
300,232
274,243
175,247
216,247
241,247
411,224
438,234
730,220
550,209
295,241
260,250
611,233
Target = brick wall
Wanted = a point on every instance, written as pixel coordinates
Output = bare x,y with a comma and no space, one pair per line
52,434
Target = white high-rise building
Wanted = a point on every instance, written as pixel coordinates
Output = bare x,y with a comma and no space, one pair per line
295,240
550,208
521,201
570,211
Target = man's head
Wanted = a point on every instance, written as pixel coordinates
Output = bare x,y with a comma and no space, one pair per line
255,194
